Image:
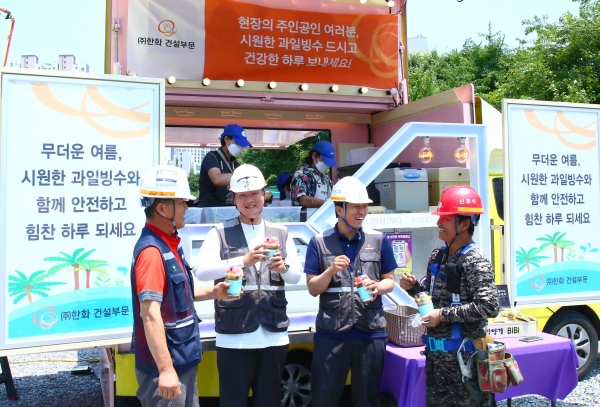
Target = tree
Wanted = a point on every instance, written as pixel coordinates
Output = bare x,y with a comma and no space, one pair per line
21,286
553,241
562,63
528,258
565,245
272,162
70,260
93,265
194,181
557,61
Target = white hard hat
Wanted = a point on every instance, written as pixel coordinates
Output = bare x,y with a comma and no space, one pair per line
166,182
246,177
351,190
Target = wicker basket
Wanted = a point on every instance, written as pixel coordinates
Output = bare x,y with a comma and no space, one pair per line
398,327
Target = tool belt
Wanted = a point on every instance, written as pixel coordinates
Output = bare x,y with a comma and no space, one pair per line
495,367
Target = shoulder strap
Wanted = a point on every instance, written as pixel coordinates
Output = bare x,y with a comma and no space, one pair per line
224,160
461,258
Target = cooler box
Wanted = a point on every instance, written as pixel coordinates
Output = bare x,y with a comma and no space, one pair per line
441,178
403,189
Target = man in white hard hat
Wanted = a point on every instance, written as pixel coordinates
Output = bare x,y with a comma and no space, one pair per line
350,330
166,341
252,339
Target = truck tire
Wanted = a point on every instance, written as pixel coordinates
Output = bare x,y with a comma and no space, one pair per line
387,400
295,384
577,327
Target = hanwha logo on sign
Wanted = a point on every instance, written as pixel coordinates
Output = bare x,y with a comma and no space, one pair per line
167,27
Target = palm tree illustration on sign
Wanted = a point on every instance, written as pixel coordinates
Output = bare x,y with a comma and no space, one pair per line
565,245
553,241
21,286
70,260
93,265
528,258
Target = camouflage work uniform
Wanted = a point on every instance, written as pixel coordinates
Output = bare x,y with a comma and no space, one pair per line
479,301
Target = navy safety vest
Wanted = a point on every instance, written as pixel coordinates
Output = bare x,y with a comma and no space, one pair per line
340,306
177,311
263,302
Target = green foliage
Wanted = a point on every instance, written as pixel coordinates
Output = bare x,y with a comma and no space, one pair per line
119,282
19,284
102,280
557,61
272,162
194,181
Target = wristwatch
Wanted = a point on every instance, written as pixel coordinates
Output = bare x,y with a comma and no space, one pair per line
287,267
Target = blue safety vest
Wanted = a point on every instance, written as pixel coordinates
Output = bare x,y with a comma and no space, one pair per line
177,311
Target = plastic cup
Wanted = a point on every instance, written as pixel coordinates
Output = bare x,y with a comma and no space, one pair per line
425,309
424,303
364,293
235,287
269,255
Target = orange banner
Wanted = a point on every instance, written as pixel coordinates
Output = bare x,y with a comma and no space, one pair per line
254,43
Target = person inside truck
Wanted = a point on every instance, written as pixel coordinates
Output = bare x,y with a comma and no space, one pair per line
217,167
284,185
460,280
350,327
251,330
166,340
311,185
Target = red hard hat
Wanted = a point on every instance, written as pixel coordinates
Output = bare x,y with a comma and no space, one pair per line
459,200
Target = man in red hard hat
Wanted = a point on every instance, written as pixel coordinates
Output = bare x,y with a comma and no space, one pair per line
460,280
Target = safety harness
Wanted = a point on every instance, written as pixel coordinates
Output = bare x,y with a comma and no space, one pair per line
495,369
453,275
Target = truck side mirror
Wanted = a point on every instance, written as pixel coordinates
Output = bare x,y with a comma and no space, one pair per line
498,189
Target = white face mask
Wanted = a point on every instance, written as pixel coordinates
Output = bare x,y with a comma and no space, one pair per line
235,149
322,167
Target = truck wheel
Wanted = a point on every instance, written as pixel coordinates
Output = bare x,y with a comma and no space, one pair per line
295,384
578,328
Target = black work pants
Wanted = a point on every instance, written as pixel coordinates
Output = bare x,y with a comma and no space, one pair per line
258,369
333,358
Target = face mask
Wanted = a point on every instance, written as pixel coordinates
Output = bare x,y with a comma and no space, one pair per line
235,149
322,167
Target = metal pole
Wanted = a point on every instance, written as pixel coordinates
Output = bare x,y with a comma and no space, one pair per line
7,379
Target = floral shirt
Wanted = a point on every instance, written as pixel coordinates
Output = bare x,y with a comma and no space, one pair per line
309,181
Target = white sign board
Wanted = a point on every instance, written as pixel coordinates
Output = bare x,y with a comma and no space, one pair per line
553,195
73,151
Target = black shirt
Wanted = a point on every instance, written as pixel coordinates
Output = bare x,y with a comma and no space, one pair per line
210,194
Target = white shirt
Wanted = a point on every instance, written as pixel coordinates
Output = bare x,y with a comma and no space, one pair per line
209,266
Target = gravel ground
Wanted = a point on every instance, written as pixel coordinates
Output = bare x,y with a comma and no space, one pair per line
51,384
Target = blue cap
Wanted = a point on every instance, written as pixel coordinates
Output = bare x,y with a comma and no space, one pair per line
237,133
282,179
325,148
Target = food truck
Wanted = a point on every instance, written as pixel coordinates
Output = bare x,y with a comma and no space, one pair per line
285,71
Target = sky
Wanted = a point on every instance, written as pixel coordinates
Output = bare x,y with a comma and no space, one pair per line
48,28
448,23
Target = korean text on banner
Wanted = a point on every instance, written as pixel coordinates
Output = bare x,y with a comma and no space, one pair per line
73,151
554,202
233,39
